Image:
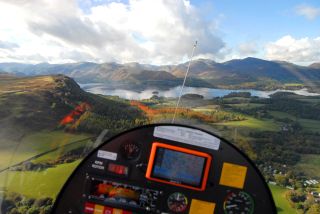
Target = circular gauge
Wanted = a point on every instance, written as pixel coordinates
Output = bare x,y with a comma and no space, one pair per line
177,202
130,150
240,202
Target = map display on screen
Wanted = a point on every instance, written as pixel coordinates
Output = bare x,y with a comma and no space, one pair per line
178,167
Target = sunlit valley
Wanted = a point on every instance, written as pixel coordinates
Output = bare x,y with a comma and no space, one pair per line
49,124
75,76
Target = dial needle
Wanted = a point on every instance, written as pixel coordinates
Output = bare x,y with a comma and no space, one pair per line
231,206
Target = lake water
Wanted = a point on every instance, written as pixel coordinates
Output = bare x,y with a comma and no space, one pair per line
208,93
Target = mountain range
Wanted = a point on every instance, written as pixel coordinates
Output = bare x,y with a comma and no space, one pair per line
244,73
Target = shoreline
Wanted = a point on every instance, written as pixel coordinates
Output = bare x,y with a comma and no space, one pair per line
172,92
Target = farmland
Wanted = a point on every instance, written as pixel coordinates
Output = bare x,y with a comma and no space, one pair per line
274,132
35,184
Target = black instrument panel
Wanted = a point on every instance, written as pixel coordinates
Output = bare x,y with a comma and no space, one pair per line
113,178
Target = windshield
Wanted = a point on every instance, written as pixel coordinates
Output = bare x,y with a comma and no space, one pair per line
75,73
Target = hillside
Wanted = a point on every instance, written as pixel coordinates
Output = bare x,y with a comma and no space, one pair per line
29,104
239,73
315,65
250,69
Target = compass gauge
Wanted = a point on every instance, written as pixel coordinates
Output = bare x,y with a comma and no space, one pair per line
177,202
240,202
130,150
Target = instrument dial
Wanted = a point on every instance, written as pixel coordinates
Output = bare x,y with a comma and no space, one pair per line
177,202
130,150
240,203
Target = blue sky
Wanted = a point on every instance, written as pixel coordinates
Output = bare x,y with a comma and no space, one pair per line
267,20
159,31
262,21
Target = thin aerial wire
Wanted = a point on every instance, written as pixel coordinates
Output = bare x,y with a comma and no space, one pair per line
184,81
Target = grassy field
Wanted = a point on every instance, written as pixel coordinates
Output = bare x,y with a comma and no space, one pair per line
247,105
33,144
61,151
44,183
283,206
293,84
307,124
253,123
37,184
207,108
309,164
311,125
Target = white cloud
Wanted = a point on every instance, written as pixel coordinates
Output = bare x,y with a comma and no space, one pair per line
157,31
248,48
8,45
307,11
303,50
240,51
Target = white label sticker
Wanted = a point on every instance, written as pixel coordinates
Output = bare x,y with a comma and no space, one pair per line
107,155
188,136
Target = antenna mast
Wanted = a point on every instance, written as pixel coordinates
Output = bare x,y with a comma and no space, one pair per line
184,81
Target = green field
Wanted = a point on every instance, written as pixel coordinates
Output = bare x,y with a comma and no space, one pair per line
253,123
61,151
247,105
307,124
293,84
283,206
41,184
207,108
37,184
12,152
311,125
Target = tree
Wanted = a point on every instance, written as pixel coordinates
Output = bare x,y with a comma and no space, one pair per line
296,196
28,202
297,184
46,210
14,211
43,202
314,209
308,203
33,210
23,209
247,148
282,180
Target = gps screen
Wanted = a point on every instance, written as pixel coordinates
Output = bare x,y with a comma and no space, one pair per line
178,167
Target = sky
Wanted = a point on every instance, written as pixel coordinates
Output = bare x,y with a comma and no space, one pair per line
158,31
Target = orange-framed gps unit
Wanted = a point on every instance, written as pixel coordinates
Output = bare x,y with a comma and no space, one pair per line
178,166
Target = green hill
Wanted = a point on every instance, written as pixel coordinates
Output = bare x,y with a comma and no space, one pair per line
30,104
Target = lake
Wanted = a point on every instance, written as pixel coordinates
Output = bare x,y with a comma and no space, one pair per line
208,93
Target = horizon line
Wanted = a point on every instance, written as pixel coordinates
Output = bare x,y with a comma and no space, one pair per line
304,64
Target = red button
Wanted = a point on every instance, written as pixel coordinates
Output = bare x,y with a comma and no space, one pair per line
118,169
108,210
89,207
